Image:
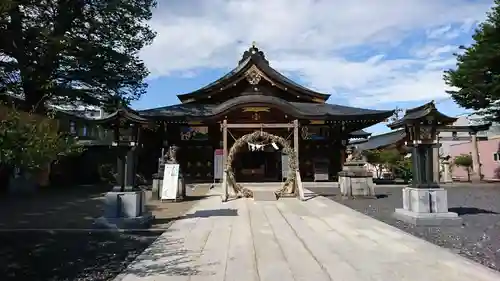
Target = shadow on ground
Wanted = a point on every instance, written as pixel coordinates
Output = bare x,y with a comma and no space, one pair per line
470,211
30,253
65,255
71,208
200,214
167,256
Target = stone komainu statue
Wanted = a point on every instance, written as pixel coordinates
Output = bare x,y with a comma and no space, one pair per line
171,156
353,154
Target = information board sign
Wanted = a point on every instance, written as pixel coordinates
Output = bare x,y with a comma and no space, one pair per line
170,182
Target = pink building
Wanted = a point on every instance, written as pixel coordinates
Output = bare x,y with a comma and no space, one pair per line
488,157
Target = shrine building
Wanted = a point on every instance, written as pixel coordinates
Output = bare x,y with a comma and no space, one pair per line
255,97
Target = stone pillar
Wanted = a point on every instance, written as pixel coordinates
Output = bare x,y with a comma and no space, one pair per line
130,171
436,160
423,166
447,172
476,163
120,172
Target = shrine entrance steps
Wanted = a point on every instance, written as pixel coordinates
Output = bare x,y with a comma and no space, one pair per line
263,191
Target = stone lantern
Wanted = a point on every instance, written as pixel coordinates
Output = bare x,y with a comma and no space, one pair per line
125,204
424,201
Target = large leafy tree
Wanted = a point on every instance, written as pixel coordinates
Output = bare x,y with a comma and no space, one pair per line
82,51
31,142
476,78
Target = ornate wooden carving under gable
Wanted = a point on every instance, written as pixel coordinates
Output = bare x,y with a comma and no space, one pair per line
256,109
253,76
256,116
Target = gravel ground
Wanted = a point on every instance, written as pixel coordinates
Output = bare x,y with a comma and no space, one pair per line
479,206
65,255
33,246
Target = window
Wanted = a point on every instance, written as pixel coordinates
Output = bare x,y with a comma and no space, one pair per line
496,157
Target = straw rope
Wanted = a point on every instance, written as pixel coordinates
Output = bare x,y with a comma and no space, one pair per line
261,137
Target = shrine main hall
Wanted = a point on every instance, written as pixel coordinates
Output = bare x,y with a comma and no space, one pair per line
255,97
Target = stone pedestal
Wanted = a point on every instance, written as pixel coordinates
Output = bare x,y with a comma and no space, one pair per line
355,180
427,207
125,210
156,187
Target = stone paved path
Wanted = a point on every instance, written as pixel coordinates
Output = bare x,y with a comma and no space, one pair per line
291,240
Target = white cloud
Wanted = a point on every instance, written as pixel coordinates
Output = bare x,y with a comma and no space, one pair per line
309,38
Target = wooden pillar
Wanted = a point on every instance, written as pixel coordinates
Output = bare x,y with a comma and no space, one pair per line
476,163
298,181
224,161
296,141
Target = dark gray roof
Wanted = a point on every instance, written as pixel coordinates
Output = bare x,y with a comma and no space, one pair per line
382,140
124,112
420,112
293,108
359,134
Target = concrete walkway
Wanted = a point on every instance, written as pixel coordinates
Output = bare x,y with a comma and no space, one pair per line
318,240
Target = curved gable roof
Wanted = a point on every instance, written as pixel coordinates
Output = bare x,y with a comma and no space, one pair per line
251,57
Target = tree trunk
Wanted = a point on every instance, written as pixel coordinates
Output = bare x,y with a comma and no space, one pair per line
34,98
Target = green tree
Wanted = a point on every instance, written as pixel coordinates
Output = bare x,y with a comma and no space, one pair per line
373,158
404,168
74,51
464,161
390,159
476,78
31,142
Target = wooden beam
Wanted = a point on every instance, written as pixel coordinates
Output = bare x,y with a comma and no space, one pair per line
455,129
257,126
461,138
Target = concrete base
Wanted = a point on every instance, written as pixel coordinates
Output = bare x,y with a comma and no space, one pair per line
156,188
356,181
426,207
264,195
356,186
428,219
125,210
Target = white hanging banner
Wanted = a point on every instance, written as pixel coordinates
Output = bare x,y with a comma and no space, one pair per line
285,166
170,182
256,147
218,164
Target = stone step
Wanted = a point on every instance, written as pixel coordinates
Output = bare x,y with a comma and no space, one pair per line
264,195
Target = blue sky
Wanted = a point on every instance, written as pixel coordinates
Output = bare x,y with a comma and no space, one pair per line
378,54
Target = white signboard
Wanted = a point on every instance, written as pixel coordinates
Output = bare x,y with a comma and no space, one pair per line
218,165
170,182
